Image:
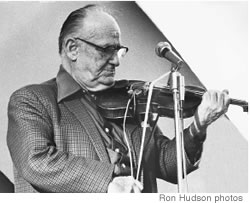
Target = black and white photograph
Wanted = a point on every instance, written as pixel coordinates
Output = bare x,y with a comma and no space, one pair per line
124,97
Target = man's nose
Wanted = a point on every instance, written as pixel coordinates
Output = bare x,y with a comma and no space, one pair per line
114,59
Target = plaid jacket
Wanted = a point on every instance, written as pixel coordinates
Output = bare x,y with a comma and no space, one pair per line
55,146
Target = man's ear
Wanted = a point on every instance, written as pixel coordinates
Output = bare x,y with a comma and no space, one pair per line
71,49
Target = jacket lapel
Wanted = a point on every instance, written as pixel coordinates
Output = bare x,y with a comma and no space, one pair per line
80,111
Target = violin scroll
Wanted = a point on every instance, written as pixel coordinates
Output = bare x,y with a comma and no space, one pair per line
240,103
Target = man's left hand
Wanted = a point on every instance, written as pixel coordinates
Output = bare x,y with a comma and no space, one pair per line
213,105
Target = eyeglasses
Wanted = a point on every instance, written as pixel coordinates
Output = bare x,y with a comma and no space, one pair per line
109,50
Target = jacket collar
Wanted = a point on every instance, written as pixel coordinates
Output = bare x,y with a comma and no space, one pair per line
66,85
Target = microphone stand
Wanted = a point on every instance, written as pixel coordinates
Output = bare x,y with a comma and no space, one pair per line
176,82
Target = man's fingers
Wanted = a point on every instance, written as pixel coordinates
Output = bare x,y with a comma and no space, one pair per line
139,184
136,189
225,91
226,99
213,105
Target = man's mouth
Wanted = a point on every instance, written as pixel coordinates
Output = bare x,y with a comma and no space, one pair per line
111,71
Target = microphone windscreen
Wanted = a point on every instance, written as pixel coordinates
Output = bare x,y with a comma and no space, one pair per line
161,48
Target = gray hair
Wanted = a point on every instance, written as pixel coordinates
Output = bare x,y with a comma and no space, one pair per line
74,22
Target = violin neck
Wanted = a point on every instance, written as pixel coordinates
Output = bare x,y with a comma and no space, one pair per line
236,102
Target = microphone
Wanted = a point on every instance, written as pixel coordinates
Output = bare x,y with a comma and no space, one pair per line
164,50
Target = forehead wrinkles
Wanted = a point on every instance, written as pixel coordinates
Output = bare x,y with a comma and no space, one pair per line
99,34
100,25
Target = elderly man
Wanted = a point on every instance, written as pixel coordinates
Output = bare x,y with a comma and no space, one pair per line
58,140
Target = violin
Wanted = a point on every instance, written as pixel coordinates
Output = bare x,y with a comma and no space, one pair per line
112,103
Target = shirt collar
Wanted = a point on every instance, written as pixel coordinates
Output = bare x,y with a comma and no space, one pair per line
66,84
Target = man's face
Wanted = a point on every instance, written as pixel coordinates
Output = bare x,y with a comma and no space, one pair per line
94,68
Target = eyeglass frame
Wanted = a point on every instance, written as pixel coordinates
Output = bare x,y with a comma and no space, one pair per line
103,49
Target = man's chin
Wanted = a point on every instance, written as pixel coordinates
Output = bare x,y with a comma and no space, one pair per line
107,81
108,84
103,84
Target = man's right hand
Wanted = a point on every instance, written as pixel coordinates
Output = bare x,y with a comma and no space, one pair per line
125,185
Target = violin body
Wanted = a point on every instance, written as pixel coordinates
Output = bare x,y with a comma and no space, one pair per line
112,103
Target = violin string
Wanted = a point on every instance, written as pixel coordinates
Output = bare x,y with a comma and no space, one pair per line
146,120
126,137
